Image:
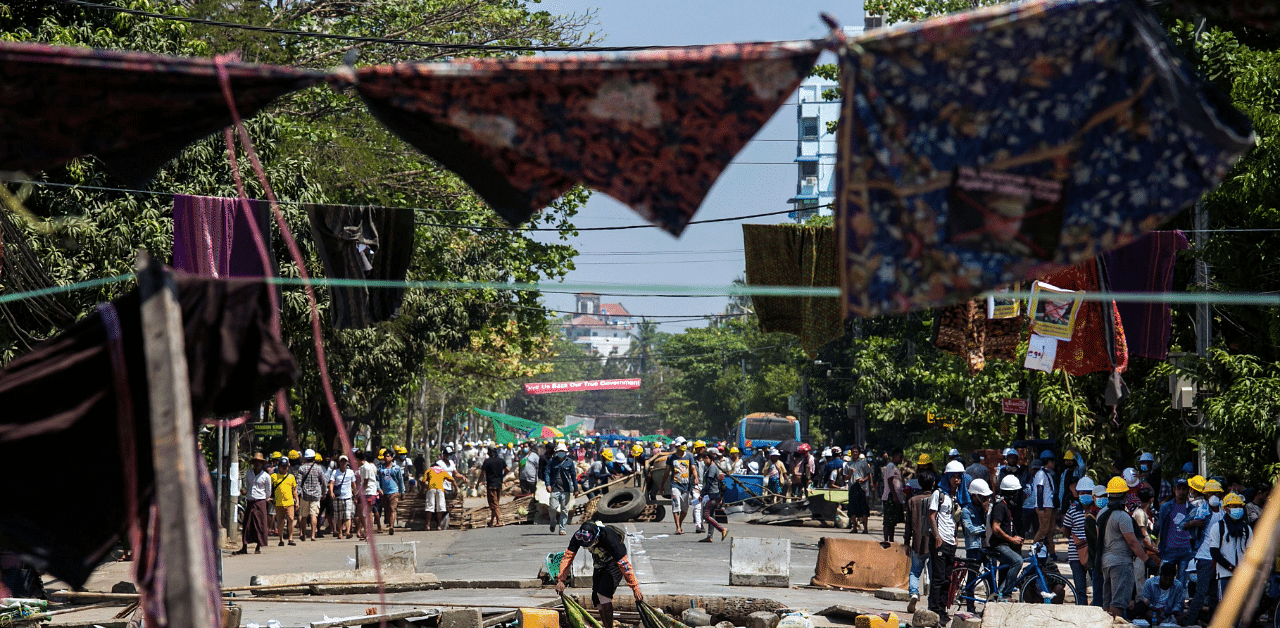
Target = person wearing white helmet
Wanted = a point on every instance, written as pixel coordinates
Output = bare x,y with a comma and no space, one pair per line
1074,522
1002,537
1013,467
561,478
942,519
682,474
313,487
973,518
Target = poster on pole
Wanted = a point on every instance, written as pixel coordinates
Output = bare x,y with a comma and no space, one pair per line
542,388
1053,311
999,305
1042,352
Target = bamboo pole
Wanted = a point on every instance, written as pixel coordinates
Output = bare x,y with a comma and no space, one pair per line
1241,591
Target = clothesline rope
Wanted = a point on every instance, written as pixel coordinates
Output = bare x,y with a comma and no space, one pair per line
358,38
428,210
1180,298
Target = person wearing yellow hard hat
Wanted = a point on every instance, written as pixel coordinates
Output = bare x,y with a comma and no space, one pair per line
294,456
1120,546
1205,515
924,462
1228,540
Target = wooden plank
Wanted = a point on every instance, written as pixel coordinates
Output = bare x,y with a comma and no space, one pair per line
364,620
183,542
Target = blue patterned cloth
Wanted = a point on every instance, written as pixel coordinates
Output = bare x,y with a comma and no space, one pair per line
997,145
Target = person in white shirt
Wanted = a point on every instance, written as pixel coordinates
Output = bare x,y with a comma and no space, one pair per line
258,484
366,493
1042,496
942,517
1228,540
341,481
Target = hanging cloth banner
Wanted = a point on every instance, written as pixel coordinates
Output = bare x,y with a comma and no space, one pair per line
133,111
214,236
994,146
651,129
542,388
363,243
795,255
1146,266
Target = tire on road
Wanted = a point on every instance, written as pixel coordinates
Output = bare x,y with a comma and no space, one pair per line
623,504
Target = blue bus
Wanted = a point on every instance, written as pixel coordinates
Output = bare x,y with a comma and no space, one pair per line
765,429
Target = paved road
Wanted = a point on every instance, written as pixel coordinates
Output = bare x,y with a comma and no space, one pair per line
666,564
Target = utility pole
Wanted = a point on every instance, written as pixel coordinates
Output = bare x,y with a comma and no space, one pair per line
183,540
1204,324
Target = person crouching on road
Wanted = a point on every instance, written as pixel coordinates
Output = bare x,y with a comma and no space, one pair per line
942,518
713,479
562,480
609,550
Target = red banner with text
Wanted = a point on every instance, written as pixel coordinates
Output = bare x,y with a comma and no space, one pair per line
542,388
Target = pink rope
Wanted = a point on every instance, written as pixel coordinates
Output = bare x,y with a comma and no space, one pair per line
296,253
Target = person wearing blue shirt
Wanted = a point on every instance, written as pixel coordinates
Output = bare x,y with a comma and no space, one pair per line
561,478
1162,598
973,516
391,481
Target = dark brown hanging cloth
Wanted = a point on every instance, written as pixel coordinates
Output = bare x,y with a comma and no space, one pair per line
794,255
363,243
60,402
133,111
651,129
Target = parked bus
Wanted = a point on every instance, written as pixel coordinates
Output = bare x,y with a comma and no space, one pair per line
765,429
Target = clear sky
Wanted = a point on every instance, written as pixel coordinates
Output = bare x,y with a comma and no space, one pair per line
761,179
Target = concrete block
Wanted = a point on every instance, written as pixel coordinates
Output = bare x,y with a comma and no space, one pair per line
1020,615
312,577
965,620
928,619
725,624
892,594
398,557
461,618
695,617
760,562
762,619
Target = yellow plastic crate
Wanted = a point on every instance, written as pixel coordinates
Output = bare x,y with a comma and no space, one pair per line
539,618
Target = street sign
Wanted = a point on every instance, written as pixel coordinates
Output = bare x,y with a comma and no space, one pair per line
268,429
1014,406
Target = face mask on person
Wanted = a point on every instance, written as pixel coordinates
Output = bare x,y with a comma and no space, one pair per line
1086,500
1215,501
1144,468
1235,513
560,454
1103,501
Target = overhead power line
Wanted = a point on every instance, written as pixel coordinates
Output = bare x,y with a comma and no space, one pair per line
430,210
356,38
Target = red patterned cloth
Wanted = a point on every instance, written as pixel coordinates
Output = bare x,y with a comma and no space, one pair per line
133,111
653,130
1096,334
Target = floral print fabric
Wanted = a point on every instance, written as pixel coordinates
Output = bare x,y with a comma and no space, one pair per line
653,129
133,111
965,330
995,146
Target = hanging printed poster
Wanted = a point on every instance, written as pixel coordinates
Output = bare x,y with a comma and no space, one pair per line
1042,351
999,306
1053,311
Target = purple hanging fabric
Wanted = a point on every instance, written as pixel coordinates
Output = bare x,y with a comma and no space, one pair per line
1146,266
213,236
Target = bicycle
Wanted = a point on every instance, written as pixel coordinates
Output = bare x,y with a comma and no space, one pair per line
971,588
